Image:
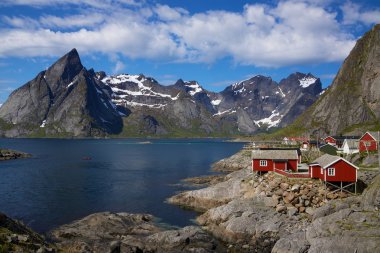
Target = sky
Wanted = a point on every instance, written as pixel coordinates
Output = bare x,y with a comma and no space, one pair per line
215,42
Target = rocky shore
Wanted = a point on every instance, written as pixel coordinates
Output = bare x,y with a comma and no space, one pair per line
8,154
124,232
16,237
272,213
238,161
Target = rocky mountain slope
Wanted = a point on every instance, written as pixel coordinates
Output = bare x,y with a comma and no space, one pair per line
66,99
69,100
352,101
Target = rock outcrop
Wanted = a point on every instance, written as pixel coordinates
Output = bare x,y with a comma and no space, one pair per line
238,161
348,225
124,232
16,237
8,154
215,195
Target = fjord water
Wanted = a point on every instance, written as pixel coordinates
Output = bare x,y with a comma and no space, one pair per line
58,185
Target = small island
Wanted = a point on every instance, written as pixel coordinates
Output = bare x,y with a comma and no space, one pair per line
9,154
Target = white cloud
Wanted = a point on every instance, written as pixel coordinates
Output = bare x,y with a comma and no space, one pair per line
92,3
291,32
72,21
167,13
119,66
353,13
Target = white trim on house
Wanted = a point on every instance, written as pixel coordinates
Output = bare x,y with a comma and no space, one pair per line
331,172
337,160
370,135
263,163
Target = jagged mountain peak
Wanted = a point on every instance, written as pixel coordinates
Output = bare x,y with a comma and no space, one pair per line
306,83
63,71
190,87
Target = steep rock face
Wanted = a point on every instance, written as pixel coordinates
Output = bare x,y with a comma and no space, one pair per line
261,103
353,98
65,99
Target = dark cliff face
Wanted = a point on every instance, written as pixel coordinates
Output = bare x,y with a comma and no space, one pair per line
64,100
353,100
68,100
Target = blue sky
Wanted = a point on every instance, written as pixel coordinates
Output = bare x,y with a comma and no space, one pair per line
214,42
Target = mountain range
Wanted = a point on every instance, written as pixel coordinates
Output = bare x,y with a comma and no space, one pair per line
67,100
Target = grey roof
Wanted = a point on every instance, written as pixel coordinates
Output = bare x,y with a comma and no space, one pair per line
375,134
326,159
352,144
275,154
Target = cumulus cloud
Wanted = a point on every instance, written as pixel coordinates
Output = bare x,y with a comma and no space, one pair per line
353,13
167,13
288,33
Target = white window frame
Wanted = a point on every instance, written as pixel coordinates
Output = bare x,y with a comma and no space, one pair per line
321,171
331,172
263,163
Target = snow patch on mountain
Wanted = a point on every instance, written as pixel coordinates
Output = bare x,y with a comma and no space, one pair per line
142,89
196,88
229,111
307,81
280,92
124,78
43,124
216,102
136,104
272,121
70,84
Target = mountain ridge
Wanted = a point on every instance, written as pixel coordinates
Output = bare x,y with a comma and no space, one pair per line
69,100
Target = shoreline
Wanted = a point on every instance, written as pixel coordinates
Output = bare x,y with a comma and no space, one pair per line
237,212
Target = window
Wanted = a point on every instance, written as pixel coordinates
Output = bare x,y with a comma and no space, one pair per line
367,143
321,171
263,163
331,172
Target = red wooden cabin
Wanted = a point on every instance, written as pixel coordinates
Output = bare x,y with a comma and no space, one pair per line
271,160
331,168
330,139
369,142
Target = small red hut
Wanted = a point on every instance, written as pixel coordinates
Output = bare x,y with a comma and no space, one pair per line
331,168
330,139
272,160
369,142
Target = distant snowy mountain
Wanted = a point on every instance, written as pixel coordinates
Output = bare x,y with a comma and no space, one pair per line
69,100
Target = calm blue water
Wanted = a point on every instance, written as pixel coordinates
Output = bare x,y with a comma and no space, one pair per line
57,186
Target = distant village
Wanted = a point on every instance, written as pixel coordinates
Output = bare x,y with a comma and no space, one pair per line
326,159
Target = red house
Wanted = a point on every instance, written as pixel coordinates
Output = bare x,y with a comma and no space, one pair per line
369,142
331,168
272,160
330,139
